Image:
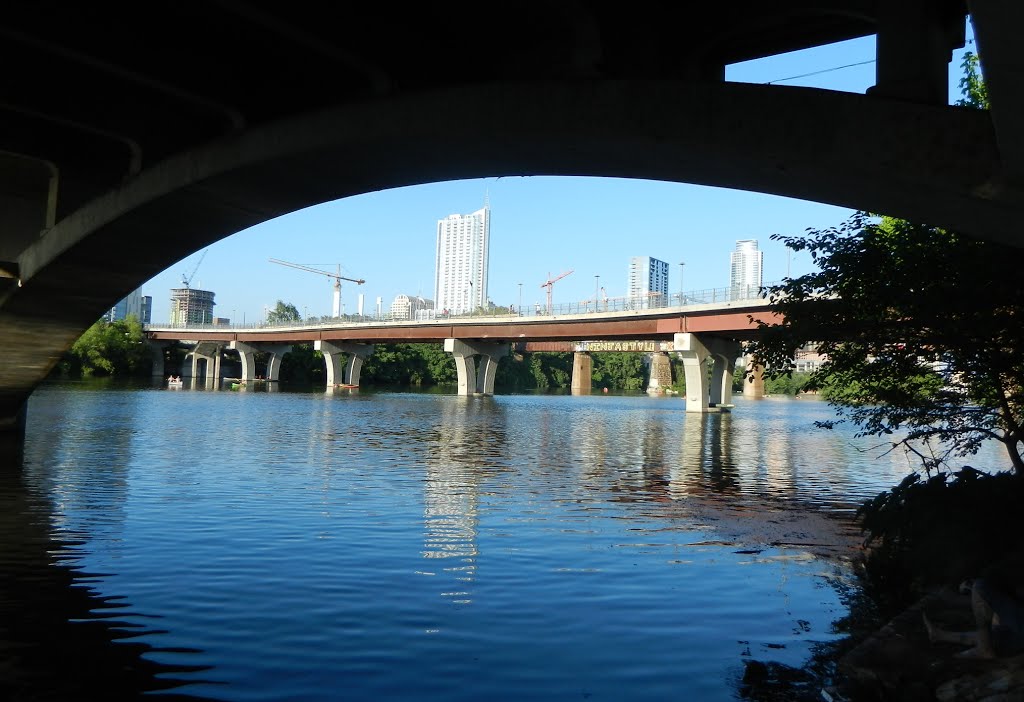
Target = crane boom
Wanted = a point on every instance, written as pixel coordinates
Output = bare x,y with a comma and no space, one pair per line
187,280
338,277
550,283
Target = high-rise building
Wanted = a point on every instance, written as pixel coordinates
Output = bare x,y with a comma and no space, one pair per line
411,307
131,306
648,282
460,274
745,263
190,306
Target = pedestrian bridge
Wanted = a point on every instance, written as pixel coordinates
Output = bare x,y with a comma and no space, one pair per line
703,334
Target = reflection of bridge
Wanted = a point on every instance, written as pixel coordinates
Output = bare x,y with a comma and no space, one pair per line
701,334
121,154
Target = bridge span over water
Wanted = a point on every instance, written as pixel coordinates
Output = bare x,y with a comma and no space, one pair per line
121,153
699,333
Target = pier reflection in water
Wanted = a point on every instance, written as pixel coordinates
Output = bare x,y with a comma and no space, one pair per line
414,546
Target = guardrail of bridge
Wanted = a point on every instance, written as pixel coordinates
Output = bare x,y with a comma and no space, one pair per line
708,296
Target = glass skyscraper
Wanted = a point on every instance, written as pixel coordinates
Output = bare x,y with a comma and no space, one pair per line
745,264
648,282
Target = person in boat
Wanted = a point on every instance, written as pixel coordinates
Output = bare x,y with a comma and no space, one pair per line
997,601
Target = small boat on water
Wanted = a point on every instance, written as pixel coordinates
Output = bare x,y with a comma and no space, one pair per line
173,382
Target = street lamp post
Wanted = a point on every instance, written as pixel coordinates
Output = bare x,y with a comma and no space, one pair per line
682,300
520,299
597,288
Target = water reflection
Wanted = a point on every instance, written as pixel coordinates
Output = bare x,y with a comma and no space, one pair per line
468,438
62,640
413,546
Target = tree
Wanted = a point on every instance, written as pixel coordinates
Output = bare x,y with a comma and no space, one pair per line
116,348
283,313
922,331
972,85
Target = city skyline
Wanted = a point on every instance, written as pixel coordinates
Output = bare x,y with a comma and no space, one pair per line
541,225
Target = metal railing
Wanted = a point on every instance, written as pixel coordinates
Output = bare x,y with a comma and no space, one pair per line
604,306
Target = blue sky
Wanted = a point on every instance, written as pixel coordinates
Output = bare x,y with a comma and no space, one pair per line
540,226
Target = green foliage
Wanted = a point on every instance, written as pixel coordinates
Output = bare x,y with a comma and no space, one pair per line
921,330
972,85
283,313
619,371
109,349
302,365
408,364
790,384
937,531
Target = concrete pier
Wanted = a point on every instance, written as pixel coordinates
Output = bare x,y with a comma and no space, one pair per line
660,378
335,353
473,380
753,387
582,373
697,352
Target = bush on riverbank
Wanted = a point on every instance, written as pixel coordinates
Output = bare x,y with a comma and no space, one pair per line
937,530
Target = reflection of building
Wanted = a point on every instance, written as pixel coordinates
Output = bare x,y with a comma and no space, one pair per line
411,307
745,269
134,305
189,306
648,281
460,274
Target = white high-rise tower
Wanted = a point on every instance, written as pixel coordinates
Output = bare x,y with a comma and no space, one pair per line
460,273
745,264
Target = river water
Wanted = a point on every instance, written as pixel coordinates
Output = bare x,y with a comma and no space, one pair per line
368,545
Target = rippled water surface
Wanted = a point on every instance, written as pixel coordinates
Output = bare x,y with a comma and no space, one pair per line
410,546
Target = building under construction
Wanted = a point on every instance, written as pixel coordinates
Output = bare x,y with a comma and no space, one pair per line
190,306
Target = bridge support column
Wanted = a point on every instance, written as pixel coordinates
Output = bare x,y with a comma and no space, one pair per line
157,352
349,374
660,376
582,373
695,358
696,351
725,353
247,354
210,352
277,352
754,388
474,381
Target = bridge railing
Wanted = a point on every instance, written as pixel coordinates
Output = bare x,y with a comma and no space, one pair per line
607,305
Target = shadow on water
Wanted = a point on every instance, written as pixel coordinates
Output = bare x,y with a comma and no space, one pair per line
59,640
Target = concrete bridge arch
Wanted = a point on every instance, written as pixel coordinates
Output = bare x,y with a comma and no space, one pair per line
66,256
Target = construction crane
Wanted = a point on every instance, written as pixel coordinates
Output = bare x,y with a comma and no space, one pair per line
186,280
338,277
550,283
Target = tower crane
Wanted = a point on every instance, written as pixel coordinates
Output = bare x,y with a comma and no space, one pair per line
338,277
186,280
550,283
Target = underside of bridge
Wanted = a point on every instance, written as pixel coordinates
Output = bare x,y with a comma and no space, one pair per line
130,140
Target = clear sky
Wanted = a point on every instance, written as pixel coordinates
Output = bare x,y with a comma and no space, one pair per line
540,226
